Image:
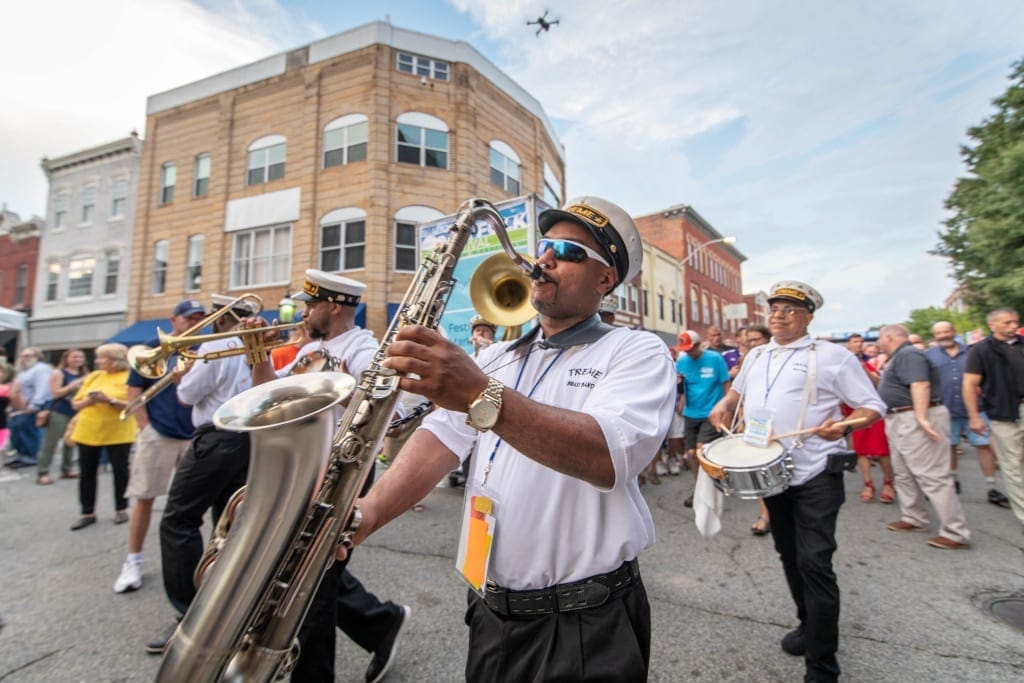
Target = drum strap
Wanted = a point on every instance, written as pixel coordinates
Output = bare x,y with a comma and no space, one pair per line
810,390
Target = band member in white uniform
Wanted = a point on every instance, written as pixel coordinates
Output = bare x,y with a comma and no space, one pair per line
559,424
788,384
212,469
331,303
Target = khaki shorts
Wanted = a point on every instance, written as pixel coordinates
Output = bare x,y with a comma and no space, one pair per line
676,431
156,456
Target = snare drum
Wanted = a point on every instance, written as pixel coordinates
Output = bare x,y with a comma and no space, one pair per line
315,361
746,471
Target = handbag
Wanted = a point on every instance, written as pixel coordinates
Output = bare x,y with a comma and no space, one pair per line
69,431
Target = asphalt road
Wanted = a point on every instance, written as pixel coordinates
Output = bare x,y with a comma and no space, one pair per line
719,606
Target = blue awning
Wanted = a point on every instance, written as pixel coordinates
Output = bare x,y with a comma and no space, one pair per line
144,331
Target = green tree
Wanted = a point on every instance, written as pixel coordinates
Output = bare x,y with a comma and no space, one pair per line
984,235
922,319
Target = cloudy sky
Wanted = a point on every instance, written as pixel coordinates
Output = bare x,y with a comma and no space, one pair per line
824,136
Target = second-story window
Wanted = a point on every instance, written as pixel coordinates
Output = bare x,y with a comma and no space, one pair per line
168,176
194,263
422,140
201,184
88,205
504,167
80,272
160,255
261,256
21,284
266,160
113,258
345,140
118,198
343,239
52,280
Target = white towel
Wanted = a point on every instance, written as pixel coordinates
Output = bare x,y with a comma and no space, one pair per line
707,505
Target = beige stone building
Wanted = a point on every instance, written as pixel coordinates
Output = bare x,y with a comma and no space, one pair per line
327,156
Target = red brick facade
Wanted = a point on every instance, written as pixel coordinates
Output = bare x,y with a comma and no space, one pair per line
712,277
19,252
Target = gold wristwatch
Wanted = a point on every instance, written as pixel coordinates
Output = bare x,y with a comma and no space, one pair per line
483,412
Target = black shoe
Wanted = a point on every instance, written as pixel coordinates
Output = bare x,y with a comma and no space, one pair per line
159,644
793,642
998,498
689,501
385,653
956,483
83,521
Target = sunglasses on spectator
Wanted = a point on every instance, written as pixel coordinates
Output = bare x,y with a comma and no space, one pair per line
567,250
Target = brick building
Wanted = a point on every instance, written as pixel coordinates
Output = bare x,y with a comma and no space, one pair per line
757,307
327,156
19,251
83,256
711,269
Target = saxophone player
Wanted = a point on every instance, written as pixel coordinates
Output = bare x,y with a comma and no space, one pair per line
331,303
558,425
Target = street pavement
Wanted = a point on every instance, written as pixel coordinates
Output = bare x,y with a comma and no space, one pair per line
719,606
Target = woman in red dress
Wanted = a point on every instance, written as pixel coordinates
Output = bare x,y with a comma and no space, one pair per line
871,444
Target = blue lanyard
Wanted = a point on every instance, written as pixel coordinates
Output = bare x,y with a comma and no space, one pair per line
769,381
522,368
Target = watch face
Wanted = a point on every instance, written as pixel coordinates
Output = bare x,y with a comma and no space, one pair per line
483,413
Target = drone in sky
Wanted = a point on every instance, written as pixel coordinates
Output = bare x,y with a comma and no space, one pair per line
542,23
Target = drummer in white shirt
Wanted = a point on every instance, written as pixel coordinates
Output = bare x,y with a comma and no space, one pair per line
789,384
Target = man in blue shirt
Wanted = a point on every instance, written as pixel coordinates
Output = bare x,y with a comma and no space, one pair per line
950,357
704,376
30,393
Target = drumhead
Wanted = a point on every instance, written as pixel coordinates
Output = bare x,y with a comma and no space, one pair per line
733,451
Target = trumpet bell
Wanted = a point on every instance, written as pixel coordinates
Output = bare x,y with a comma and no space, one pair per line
500,292
151,363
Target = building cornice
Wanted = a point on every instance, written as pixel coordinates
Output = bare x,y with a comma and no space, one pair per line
128,145
691,214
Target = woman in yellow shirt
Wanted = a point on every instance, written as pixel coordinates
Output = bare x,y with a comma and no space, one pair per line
99,404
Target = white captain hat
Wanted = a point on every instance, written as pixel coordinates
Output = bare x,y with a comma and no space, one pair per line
797,292
324,286
244,308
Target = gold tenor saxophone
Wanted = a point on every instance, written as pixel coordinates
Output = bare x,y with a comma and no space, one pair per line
299,504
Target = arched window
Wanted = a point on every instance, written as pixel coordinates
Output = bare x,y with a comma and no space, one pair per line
422,139
694,304
705,308
505,167
406,220
552,188
345,140
343,239
266,160
160,255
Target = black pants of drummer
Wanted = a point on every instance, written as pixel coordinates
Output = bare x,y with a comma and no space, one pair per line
611,642
804,529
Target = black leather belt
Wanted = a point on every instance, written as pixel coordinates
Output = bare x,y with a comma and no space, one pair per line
204,428
566,597
903,409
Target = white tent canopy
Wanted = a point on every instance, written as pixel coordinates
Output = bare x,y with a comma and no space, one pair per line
11,320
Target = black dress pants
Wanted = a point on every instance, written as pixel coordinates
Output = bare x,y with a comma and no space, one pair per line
88,465
611,642
804,529
213,468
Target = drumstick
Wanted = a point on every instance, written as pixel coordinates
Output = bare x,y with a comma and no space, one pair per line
844,423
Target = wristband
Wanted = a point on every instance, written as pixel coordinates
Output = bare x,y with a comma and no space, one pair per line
848,430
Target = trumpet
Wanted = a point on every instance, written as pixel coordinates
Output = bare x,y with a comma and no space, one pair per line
152,362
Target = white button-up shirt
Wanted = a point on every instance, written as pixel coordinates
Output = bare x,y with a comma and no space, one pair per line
208,385
775,376
553,528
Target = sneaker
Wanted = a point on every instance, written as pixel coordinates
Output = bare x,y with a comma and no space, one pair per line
998,498
673,466
659,468
384,655
793,643
120,517
159,644
130,578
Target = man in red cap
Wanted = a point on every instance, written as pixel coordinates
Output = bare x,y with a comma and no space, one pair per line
704,378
